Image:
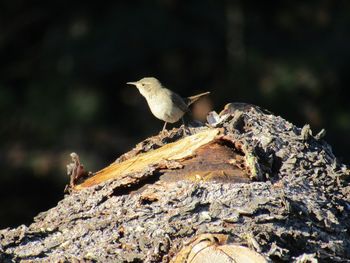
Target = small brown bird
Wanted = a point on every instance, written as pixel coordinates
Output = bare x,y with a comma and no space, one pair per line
165,104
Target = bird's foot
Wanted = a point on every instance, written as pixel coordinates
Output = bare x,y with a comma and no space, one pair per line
165,132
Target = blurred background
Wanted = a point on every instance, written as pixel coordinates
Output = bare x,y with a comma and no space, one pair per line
64,66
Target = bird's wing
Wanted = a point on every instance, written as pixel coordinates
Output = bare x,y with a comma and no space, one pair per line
178,101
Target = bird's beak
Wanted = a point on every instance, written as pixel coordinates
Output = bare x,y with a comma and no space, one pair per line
132,83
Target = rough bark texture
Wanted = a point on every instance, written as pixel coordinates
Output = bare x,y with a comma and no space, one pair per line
297,206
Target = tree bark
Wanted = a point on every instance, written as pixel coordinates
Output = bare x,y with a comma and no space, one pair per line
256,179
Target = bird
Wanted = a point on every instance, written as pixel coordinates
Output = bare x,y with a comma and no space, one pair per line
164,104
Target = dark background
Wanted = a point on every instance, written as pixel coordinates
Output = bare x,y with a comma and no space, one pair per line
64,65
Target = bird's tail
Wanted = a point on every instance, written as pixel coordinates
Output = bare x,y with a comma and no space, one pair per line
194,98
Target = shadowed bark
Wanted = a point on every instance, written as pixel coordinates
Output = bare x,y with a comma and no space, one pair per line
255,178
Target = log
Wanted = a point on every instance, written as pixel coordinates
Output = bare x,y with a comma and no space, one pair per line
247,187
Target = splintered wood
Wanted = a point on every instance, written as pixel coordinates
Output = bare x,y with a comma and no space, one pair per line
172,151
201,156
214,161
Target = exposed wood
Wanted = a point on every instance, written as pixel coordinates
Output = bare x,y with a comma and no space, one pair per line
181,149
212,162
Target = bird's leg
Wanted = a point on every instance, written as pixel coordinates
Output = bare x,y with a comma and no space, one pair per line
184,126
183,121
164,126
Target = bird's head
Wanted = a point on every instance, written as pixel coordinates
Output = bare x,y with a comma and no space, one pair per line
147,86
